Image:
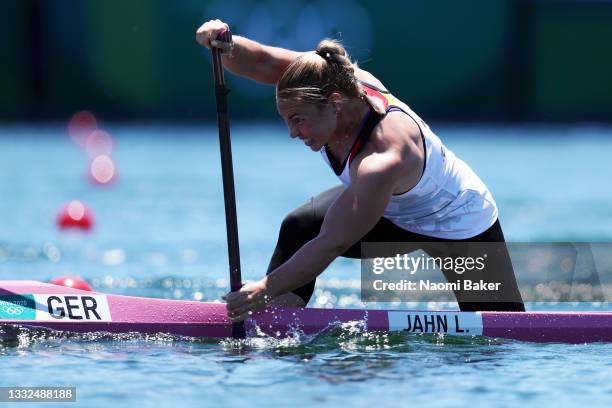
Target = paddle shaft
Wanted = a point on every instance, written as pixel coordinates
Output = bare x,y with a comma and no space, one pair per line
229,194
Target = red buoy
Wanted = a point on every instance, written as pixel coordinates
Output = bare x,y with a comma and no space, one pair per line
102,170
99,142
75,215
81,125
72,282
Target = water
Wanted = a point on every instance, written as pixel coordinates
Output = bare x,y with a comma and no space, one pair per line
160,232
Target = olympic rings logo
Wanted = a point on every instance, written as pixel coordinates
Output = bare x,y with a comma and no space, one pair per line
12,309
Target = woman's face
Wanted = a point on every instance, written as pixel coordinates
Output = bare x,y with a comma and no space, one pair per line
313,124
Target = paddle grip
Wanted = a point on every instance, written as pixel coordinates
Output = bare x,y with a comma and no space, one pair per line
225,36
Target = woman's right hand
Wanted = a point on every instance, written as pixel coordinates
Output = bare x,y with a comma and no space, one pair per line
207,34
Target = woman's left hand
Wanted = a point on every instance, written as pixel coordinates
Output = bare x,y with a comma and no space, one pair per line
251,297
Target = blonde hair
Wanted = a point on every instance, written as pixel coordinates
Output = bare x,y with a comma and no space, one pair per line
312,78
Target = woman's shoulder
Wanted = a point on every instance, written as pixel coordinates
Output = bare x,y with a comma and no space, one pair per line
395,140
395,147
396,131
365,76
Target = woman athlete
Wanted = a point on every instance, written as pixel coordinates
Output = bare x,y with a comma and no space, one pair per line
399,182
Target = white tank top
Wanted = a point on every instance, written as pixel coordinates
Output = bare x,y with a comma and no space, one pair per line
449,201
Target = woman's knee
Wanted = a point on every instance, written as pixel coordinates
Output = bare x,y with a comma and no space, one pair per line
300,223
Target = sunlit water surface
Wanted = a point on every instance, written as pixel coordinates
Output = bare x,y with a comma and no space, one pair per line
160,232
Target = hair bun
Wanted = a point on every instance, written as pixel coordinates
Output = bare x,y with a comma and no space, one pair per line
330,49
324,54
307,78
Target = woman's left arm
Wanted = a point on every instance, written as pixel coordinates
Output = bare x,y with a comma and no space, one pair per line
354,213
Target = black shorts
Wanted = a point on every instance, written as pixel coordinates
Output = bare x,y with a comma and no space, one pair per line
304,224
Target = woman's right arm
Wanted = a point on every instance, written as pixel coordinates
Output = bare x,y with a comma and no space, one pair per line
247,58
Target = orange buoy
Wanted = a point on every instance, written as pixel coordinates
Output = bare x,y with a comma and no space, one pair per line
72,282
75,215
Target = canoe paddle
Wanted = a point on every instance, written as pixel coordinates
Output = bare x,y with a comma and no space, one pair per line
229,194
